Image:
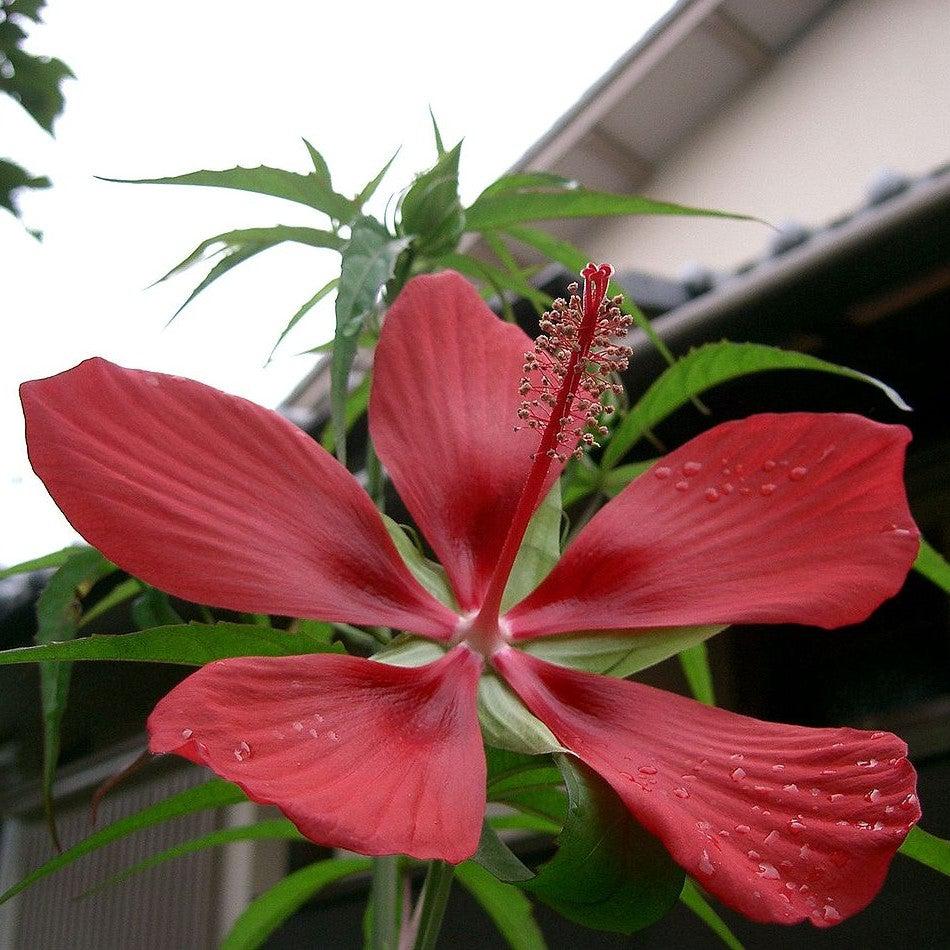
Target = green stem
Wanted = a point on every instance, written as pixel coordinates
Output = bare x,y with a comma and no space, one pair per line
375,480
435,895
386,902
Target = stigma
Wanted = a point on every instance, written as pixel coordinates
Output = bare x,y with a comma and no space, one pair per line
567,377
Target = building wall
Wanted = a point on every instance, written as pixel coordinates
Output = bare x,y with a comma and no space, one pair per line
867,88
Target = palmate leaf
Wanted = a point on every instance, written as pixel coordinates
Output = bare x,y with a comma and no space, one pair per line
367,265
243,244
311,190
213,794
58,615
192,644
608,872
501,209
507,906
267,912
708,366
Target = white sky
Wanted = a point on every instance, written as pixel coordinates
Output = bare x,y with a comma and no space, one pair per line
177,86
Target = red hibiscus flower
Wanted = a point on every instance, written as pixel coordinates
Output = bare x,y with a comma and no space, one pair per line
796,518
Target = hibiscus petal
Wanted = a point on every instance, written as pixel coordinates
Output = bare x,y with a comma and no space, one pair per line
216,500
361,755
791,518
782,823
442,415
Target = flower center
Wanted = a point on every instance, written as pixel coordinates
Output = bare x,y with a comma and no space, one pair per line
482,637
564,384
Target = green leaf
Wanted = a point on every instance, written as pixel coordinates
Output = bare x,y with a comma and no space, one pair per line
499,280
695,901
277,828
506,905
118,595
407,650
367,264
310,190
430,574
369,189
495,856
192,644
928,849
243,244
213,794
523,181
501,209
539,551
618,653
585,481
932,564
356,402
708,366
12,178
267,912
507,724
695,663
522,822
153,609
32,81
608,872
437,135
56,559
431,210
58,614
320,167
329,286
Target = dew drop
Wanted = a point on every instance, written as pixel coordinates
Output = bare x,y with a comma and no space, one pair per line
745,490
727,488
771,837
911,799
768,465
878,735
680,792
830,913
829,771
868,763
298,727
647,770
318,717
796,824
242,751
754,855
790,788
314,733
873,795
681,485
777,768
836,797
738,774
333,737
737,756
742,829
767,489
692,468
797,473
152,380
888,809
186,733
662,471
705,865
790,885
878,826
711,494
768,871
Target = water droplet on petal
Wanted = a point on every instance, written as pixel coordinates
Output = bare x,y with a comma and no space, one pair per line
647,770
777,768
742,829
662,471
754,855
314,733
692,468
318,717
738,774
727,488
771,837
333,737
768,871
186,733
298,727
768,465
681,485
790,788
705,864
767,489
836,797
242,751
737,756
830,913
797,473
680,792
868,763
796,824
711,494
873,795
911,799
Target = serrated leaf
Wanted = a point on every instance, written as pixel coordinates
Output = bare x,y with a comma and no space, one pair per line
608,872
507,724
508,908
708,366
267,912
618,653
932,564
539,551
213,794
310,190
327,288
928,849
694,900
369,189
431,210
320,167
55,559
367,264
501,209
277,828
498,280
58,614
524,181
192,644
437,135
